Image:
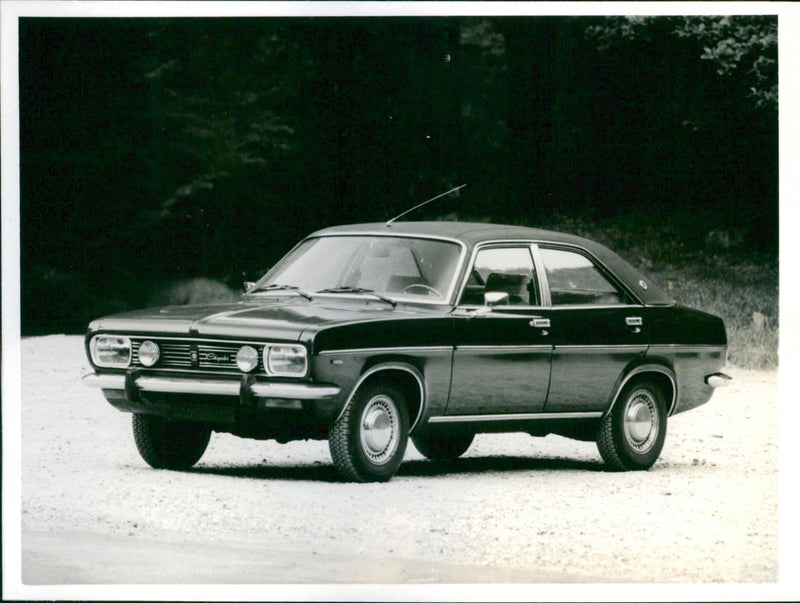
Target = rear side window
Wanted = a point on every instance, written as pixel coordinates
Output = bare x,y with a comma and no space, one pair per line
575,280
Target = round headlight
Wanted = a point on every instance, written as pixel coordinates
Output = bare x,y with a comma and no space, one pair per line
149,353
247,359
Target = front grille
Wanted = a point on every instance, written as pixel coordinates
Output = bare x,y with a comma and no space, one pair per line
217,356
205,355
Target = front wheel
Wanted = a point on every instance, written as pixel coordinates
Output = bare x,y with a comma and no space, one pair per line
165,444
368,441
632,435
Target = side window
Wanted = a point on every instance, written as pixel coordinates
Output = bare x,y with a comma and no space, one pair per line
574,279
505,270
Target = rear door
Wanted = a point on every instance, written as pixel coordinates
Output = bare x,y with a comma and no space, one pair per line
597,329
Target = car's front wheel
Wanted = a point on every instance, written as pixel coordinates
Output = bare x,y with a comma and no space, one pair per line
165,444
632,435
442,447
368,441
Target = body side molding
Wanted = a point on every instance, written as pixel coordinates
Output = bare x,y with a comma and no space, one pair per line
533,416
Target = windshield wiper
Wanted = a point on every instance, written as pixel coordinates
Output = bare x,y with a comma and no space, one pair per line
276,287
358,290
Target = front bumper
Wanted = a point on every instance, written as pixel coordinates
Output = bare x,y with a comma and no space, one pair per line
221,401
243,389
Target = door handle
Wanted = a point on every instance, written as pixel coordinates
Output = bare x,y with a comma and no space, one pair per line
635,322
540,323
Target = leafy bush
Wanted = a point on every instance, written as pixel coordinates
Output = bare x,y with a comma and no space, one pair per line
194,291
56,301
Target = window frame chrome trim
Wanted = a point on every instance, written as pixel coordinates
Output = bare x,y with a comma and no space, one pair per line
596,307
535,245
544,286
604,270
499,243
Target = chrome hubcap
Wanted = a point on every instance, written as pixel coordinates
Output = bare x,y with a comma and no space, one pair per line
379,427
641,422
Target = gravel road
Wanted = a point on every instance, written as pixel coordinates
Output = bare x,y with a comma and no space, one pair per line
515,509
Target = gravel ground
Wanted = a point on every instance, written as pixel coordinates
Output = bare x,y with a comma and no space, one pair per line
514,509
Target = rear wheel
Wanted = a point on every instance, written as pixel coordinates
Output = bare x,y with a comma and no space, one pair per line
632,435
368,441
442,447
166,444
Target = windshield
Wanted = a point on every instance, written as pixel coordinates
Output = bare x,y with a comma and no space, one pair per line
399,268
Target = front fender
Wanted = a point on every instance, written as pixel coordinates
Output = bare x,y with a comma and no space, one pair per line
390,370
424,372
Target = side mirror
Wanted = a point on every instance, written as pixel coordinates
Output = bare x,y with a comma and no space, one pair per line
495,298
248,285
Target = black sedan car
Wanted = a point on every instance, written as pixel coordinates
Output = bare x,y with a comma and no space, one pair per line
369,334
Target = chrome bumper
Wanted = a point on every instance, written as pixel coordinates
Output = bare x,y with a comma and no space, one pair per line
215,387
718,380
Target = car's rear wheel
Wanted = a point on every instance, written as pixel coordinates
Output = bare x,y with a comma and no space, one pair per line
632,435
368,441
165,444
442,447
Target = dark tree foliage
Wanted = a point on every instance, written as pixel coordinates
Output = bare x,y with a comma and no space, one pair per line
157,149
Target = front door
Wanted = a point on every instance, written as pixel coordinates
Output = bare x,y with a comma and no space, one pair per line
501,362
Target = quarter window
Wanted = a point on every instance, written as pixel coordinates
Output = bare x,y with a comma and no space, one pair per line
504,270
574,279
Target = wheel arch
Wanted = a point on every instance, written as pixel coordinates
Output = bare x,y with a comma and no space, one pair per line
663,376
403,375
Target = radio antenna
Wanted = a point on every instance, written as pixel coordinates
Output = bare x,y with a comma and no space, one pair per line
408,211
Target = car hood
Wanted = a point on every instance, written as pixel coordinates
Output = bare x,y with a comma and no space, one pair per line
279,319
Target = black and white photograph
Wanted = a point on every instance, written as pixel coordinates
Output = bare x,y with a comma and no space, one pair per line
399,301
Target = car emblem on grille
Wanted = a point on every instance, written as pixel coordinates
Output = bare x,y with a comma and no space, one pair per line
193,357
215,358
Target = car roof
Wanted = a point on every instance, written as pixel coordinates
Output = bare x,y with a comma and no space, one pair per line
469,233
473,233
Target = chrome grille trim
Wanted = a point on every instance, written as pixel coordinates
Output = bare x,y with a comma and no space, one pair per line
177,353
225,354
173,355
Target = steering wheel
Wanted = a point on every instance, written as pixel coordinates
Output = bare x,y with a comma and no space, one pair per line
426,287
